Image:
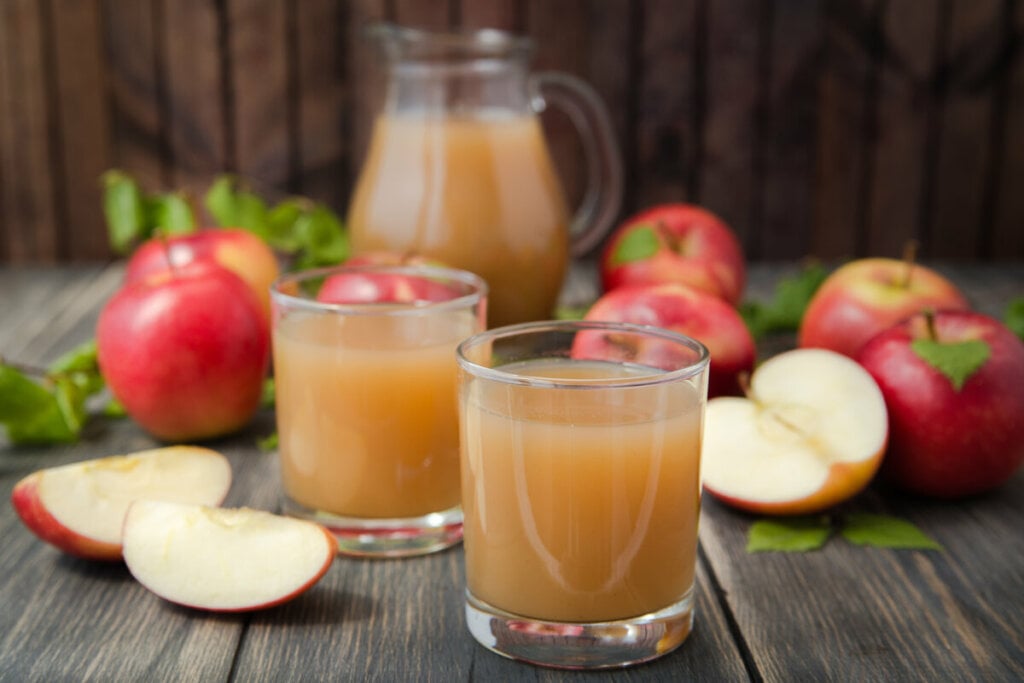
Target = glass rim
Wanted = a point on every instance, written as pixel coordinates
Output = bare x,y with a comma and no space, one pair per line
477,294
410,43
657,376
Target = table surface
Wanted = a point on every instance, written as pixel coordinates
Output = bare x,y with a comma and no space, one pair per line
841,613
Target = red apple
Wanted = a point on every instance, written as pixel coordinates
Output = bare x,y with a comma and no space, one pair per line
223,560
675,243
80,508
866,296
688,311
239,250
371,284
185,350
810,434
955,395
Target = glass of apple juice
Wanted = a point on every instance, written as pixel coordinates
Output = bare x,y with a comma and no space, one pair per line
581,490
367,417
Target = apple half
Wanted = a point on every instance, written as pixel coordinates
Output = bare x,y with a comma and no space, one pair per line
223,559
80,508
811,433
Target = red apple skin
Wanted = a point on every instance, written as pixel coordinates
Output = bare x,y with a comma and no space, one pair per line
185,351
236,249
694,248
688,311
371,287
866,296
943,442
26,502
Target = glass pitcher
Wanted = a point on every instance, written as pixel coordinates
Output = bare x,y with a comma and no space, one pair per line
458,169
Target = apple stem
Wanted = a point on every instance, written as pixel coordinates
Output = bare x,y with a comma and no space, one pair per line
674,243
166,245
743,379
909,259
929,324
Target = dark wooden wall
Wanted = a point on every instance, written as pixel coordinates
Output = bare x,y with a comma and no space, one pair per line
829,127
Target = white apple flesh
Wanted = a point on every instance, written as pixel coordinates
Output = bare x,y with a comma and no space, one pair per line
223,560
80,508
810,434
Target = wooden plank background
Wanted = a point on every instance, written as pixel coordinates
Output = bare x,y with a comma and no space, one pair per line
835,128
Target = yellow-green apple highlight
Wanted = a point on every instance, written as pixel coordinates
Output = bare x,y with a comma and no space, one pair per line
675,243
80,508
864,297
238,250
223,560
185,350
688,311
810,434
954,386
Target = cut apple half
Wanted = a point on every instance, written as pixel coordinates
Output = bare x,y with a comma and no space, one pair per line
811,433
80,508
221,559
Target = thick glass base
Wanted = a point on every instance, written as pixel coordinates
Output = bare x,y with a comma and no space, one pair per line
604,645
374,537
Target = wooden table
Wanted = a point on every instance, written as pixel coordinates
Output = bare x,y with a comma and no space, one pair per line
843,613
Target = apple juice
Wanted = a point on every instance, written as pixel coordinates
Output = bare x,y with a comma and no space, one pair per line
475,192
580,502
367,412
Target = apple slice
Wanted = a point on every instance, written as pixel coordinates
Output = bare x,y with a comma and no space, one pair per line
810,434
80,507
223,560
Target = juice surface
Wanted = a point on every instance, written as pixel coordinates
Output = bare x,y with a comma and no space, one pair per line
580,505
478,193
366,410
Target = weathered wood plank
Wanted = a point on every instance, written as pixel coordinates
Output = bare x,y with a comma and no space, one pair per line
28,195
1007,233
138,91
366,75
728,174
198,101
83,124
845,107
324,162
434,15
508,15
789,145
905,108
666,140
258,45
964,141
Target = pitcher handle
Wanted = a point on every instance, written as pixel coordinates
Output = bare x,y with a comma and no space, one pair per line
600,207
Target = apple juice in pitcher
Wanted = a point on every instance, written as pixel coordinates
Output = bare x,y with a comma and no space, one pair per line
458,168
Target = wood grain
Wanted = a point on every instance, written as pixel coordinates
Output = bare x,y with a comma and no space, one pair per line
1007,230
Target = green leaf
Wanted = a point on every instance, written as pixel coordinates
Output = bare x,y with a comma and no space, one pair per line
281,224
114,409
81,366
34,415
171,213
124,210
267,443
322,237
235,207
1014,316
267,397
570,312
789,301
956,360
793,534
635,246
883,531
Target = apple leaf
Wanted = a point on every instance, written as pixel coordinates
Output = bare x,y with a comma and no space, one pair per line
124,210
280,223
322,237
267,443
31,413
784,311
956,360
793,534
233,206
268,394
570,312
1014,317
883,531
170,213
635,246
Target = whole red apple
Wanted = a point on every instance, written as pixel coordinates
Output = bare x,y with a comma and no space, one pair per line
675,243
238,250
689,311
373,284
864,297
954,389
185,350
